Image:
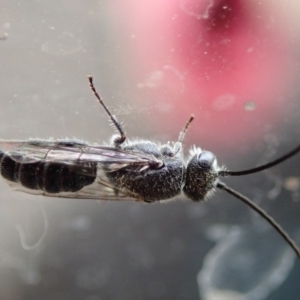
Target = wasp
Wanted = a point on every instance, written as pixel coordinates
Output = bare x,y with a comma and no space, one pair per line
139,170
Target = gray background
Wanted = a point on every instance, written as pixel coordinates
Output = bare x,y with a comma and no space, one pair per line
114,250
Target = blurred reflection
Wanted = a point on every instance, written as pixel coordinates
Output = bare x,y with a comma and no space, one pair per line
64,44
246,264
40,240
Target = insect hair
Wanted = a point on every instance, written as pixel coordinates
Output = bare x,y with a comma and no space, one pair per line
221,171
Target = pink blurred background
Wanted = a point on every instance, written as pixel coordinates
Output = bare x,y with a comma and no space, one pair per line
229,62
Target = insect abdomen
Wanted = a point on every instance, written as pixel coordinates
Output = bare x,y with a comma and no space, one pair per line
47,176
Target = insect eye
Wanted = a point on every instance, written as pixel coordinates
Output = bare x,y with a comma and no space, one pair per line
206,159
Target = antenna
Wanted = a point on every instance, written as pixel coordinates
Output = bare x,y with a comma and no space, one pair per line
221,185
263,167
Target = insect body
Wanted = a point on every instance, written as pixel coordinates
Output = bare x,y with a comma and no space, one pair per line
139,170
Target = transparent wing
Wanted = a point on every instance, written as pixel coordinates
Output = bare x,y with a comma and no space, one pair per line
99,190
70,152
78,155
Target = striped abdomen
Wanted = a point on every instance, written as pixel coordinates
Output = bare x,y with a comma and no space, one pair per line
49,177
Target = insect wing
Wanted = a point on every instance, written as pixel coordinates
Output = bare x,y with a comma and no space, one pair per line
78,156
69,152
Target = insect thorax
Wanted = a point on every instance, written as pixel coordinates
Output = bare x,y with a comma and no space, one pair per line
159,181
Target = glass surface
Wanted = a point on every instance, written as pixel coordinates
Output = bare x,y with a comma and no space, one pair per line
235,65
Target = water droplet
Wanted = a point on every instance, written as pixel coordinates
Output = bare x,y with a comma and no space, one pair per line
224,102
250,106
64,44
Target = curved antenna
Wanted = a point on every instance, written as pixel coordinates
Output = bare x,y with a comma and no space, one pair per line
263,167
221,185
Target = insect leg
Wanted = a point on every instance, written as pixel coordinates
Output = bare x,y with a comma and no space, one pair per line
120,139
182,134
185,128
